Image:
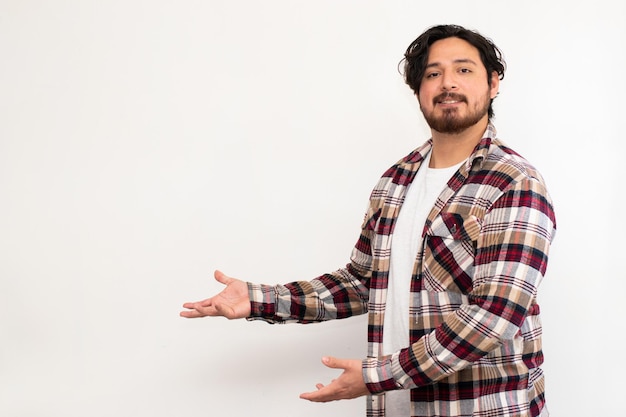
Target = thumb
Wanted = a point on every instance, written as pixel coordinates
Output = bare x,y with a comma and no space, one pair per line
334,363
221,277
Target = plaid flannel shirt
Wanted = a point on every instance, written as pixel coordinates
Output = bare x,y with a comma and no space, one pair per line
475,330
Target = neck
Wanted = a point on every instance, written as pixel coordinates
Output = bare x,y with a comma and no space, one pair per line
450,149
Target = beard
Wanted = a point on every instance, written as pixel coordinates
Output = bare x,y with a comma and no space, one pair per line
450,122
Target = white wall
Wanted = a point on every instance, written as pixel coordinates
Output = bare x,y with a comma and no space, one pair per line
144,144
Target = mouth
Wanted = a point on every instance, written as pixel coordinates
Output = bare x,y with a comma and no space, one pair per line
449,99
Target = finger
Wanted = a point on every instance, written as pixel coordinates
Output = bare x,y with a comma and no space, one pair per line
221,277
198,304
190,314
193,304
205,303
199,309
322,395
311,396
334,363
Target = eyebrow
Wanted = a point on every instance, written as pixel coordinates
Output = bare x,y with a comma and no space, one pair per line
456,61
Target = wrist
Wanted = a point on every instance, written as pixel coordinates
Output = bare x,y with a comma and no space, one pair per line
378,376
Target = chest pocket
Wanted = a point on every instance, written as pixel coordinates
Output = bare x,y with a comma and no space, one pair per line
449,252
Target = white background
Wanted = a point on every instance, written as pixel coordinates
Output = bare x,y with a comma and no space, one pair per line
144,144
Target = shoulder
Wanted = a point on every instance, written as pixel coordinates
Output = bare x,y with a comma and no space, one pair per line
502,167
391,186
506,179
404,168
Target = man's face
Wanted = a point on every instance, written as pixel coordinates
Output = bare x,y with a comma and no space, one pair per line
454,93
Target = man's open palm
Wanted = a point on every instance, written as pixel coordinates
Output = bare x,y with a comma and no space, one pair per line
233,302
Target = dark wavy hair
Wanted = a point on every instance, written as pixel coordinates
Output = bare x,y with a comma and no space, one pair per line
416,55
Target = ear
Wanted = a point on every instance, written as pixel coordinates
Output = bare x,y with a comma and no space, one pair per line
494,84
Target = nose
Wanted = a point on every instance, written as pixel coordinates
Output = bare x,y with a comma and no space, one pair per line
448,81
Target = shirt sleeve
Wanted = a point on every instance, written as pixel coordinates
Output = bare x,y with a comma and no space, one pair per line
337,295
510,261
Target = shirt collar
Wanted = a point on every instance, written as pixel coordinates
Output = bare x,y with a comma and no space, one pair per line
482,149
478,155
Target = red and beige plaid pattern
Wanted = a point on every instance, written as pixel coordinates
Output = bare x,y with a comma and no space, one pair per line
475,330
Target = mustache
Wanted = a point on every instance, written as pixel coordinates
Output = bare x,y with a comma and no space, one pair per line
449,96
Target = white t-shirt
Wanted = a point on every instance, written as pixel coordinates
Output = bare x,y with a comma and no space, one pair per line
405,244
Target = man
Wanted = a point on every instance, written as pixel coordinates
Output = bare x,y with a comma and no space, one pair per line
452,250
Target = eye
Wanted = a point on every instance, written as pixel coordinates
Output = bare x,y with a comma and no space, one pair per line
465,70
431,75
